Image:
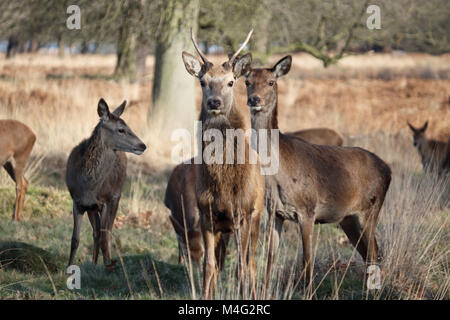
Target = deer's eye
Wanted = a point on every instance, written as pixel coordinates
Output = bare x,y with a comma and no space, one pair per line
247,83
271,83
230,84
121,131
202,83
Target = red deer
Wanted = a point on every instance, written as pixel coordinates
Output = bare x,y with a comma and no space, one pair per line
16,143
96,172
316,184
432,152
181,200
230,196
321,136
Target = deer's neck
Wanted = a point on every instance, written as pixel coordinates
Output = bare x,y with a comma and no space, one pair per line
226,173
266,119
98,158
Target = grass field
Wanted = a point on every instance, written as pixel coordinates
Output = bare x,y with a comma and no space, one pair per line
367,98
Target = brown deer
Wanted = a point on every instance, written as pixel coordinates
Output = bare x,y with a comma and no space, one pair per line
96,172
432,152
16,142
321,136
230,196
181,200
316,184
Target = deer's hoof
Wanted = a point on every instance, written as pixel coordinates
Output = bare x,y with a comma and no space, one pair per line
111,266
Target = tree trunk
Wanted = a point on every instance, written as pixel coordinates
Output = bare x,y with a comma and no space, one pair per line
13,45
126,46
61,47
173,95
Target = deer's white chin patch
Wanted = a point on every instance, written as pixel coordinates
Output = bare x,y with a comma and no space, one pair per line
214,111
138,152
256,108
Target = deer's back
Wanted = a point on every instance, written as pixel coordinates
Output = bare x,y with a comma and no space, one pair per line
89,186
320,136
15,136
180,196
435,154
330,181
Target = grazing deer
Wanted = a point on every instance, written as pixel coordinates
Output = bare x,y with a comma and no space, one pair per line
230,196
181,200
316,184
96,172
16,142
432,152
321,136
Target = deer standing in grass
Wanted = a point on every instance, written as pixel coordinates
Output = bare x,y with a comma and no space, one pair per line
16,142
432,152
316,184
230,196
96,172
181,200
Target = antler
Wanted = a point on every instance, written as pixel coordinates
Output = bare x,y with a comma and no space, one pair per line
230,61
198,49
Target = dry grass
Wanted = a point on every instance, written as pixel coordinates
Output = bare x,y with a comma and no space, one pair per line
367,98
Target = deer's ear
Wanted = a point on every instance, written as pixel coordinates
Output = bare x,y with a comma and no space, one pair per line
425,126
119,110
242,66
192,64
411,126
282,67
103,109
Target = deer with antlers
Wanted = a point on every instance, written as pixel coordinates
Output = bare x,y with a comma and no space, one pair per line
230,196
16,142
316,184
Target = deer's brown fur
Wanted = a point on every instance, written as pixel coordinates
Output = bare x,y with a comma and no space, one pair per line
432,152
96,172
230,196
181,200
321,136
16,143
317,184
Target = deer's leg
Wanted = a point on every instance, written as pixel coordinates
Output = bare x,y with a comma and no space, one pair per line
20,161
209,263
10,169
352,228
77,218
254,234
15,171
180,251
369,226
110,224
221,250
94,219
274,240
307,227
104,234
242,241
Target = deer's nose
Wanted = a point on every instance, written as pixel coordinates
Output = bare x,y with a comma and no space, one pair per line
142,146
214,103
253,101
